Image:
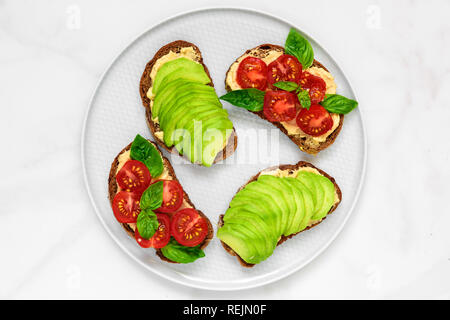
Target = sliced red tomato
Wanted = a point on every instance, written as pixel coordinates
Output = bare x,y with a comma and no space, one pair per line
284,68
315,86
172,196
252,73
126,206
188,227
280,106
315,121
133,177
160,238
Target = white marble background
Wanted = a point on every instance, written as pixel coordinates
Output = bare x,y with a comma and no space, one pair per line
396,244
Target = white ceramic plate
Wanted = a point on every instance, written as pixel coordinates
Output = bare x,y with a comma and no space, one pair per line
116,115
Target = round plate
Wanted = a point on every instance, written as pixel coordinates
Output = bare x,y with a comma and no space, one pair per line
116,115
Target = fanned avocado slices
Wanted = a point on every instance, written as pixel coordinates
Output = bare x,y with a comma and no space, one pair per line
271,207
189,112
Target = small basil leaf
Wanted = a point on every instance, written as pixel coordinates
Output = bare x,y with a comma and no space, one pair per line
145,152
304,99
152,197
336,103
181,254
286,85
299,47
251,99
147,223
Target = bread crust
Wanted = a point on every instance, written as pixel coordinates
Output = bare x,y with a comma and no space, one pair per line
283,238
113,187
301,142
146,83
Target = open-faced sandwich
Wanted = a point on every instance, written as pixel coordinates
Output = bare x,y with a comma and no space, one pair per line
182,108
149,202
291,89
273,206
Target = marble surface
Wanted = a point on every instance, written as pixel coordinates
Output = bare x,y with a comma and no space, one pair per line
396,244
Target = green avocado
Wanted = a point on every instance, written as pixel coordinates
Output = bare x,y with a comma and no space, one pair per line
177,88
308,202
246,211
169,121
181,68
263,242
215,119
252,235
284,197
297,216
323,192
238,242
183,97
267,196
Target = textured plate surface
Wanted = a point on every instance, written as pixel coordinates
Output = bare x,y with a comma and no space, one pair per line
116,115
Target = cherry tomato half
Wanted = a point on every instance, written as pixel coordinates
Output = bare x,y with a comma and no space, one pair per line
315,121
252,73
172,196
280,106
126,206
133,177
188,227
284,68
161,237
315,86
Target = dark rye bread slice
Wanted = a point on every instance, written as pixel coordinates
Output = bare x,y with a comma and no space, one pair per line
261,51
283,238
146,84
113,189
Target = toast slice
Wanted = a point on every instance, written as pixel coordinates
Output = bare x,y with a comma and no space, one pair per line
289,168
113,189
146,83
305,143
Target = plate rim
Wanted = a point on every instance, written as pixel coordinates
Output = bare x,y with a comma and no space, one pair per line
198,284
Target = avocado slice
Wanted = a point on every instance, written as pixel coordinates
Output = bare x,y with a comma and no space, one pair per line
181,96
215,138
252,212
270,199
254,223
172,118
217,119
254,202
179,68
324,192
238,242
297,217
173,89
284,197
252,235
308,205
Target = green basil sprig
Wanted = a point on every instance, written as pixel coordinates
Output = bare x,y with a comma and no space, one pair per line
152,197
304,99
145,152
336,103
147,223
300,48
286,85
303,95
181,254
251,99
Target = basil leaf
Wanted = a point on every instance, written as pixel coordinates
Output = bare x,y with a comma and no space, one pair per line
145,152
304,99
152,197
300,48
336,103
181,254
286,85
251,99
147,223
